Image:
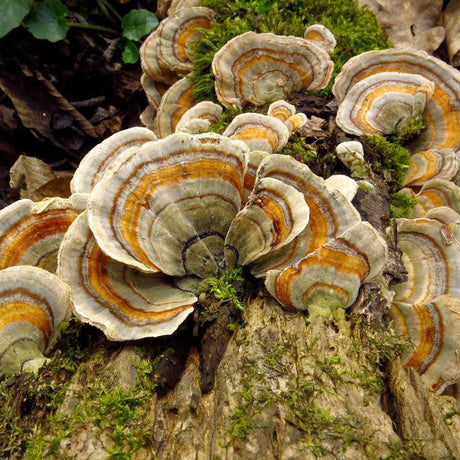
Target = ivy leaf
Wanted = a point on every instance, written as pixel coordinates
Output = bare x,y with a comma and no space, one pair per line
46,20
129,51
12,12
138,23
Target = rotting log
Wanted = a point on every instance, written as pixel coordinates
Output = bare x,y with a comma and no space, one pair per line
283,388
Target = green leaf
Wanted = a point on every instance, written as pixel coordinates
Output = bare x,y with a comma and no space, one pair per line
12,12
129,51
47,20
138,23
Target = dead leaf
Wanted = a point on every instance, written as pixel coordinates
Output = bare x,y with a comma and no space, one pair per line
409,23
451,21
313,127
36,180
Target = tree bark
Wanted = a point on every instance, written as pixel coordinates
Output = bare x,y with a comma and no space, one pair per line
283,389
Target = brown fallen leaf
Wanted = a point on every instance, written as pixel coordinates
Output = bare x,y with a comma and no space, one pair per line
451,21
313,127
35,179
409,23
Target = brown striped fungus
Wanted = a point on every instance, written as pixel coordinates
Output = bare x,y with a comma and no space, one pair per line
31,233
380,91
33,303
169,213
259,68
426,307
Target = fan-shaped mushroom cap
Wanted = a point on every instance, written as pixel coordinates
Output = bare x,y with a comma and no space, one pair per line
330,212
165,52
147,117
259,68
125,303
431,262
198,118
351,154
174,103
434,331
321,36
383,103
431,164
96,161
153,90
30,233
281,109
331,276
442,111
274,215
151,63
255,158
259,132
344,184
435,193
33,303
178,5
296,122
168,206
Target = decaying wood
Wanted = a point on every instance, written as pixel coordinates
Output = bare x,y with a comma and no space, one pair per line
283,389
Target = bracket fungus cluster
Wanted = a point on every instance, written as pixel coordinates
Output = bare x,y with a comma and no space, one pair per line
389,87
165,60
164,214
427,306
268,133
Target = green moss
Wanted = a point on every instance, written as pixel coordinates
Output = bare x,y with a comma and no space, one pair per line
401,205
387,158
227,116
298,148
223,288
355,29
411,128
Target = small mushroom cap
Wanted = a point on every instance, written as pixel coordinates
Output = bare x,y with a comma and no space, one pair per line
383,103
430,260
442,111
96,161
350,149
330,212
259,68
153,90
30,233
431,164
176,35
33,302
125,303
174,103
177,6
274,215
259,132
321,36
347,186
296,122
168,206
198,118
151,63
331,275
438,192
434,331
281,109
